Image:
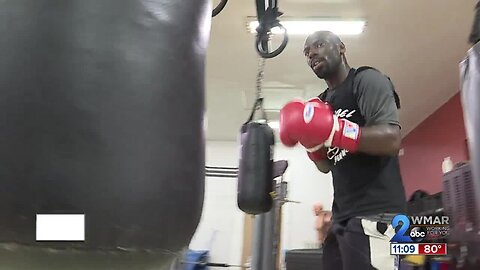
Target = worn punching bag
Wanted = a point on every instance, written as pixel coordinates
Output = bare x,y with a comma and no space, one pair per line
101,107
255,170
470,94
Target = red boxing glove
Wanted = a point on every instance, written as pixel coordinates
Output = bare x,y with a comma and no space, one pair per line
346,135
318,155
297,124
314,123
321,153
291,123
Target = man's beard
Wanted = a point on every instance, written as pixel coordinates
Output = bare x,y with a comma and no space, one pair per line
328,71
324,73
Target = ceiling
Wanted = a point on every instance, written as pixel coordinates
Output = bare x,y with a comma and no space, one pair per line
419,44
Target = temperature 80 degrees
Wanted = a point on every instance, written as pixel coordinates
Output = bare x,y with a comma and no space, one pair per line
432,249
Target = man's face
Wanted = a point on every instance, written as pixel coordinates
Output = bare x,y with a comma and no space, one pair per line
324,54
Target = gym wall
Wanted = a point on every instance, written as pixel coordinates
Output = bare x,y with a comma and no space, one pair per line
222,225
429,143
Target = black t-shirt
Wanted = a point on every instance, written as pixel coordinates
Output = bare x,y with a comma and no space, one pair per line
364,185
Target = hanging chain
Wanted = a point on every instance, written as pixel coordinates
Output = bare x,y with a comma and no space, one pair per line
259,94
258,104
260,76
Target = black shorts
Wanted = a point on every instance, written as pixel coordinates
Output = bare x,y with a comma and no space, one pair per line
359,244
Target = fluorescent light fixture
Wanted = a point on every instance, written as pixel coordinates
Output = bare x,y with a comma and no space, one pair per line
306,27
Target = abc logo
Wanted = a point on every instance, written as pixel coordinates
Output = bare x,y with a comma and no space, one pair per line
404,233
417,234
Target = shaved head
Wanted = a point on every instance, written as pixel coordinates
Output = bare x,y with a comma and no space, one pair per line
325,53
324,35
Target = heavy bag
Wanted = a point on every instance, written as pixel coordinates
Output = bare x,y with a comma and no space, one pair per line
255,174
470,94
102,104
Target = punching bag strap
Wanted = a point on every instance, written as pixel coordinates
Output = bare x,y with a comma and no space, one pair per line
267,20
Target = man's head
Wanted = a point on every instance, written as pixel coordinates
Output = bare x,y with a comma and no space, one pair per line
324,52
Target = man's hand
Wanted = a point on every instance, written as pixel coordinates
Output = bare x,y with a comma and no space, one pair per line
309,124
319,157
313,123
323,221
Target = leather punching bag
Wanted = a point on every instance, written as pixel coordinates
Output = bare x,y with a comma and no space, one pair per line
470,94
101,107
255,171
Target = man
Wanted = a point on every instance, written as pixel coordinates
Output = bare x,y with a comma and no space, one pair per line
323,221
351,130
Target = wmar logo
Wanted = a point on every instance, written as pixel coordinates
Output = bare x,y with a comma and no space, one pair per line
415,234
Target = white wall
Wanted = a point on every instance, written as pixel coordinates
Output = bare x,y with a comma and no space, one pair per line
222,219
306,185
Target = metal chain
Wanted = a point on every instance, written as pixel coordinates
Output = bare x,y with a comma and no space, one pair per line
260,77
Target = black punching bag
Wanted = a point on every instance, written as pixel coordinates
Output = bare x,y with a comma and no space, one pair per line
470,94
255,170
101,113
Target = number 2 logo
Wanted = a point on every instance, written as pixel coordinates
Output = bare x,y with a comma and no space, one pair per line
400,236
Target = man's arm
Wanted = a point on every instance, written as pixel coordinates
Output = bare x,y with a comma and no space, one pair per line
322,166
382,140
319,158
381,133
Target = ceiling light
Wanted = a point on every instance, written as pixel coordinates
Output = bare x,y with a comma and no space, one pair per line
306,27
